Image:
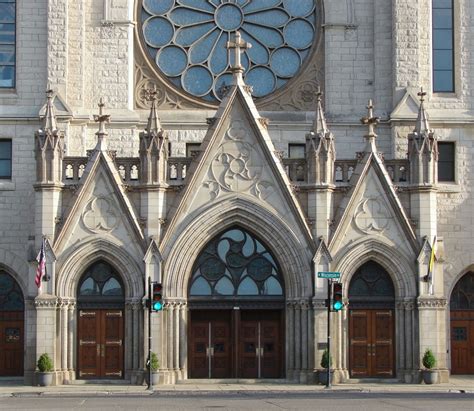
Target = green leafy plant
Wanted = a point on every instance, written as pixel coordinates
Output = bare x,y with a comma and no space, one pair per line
45,363
326,360
154,362
429,360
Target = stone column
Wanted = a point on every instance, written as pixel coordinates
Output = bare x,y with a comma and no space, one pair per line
46,306
183,339
319,330
128,338
63,314
305,341
71,313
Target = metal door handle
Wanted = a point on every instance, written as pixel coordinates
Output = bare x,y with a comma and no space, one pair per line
98,350
103,350
210,352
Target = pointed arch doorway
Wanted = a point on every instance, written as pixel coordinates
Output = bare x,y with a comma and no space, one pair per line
371,322
462,325
100,336
236,300
12,308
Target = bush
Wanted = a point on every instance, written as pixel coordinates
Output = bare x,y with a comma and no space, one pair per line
45,363
155,363
429,360
326,360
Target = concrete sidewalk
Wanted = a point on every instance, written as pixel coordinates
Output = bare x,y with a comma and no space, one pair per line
457,384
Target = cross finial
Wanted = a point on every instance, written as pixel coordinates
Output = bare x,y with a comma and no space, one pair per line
101,119
151,94
49,121
319,94
422,95
370,120
153,124
239,46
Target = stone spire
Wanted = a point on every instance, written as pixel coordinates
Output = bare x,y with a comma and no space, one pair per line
320,148
422,124
371,121
102,119
153,147
239,46
49,146
423,149
49,120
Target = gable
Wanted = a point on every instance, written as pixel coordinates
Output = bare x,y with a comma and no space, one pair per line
101,209
237,159
373,210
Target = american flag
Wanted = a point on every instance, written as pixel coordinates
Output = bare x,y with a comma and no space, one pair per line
41,270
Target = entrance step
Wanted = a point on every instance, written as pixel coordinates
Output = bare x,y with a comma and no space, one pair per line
243,381
371,381
100,382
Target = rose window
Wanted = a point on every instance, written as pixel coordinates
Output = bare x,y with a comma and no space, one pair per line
187,40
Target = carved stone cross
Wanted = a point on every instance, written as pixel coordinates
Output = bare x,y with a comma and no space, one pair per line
239,46
102,118
370,120
422,95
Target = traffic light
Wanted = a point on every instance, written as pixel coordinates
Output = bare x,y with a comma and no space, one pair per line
337,303
156,297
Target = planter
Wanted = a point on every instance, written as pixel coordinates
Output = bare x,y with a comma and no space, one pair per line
323,377
155,378
45,379
430,376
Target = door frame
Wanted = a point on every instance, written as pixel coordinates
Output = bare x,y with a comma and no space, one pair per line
235,322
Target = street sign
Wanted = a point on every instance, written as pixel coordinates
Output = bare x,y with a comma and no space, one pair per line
329,274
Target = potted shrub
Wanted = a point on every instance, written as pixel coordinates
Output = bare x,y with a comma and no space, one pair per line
326,362
154,364
430,376
45,367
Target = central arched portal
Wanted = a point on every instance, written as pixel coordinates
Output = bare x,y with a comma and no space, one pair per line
371,322
236,300
100,348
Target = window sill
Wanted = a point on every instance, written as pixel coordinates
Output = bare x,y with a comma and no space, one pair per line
7,185
447,187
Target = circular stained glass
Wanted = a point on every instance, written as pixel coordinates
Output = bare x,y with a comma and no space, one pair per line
187,40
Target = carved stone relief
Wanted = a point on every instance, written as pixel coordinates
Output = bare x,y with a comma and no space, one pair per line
371,217
100,215
236,167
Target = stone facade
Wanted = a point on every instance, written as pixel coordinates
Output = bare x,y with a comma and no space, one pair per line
123,190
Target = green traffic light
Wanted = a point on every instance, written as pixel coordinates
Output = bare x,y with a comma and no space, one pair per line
337,305
157,306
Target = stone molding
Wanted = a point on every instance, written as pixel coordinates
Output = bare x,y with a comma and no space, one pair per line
434,303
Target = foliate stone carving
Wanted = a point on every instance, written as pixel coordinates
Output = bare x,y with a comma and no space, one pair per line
264,121
100,215
236,166
50,302
371,217
432,303
319,304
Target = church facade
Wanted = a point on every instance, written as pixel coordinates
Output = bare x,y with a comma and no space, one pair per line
231,151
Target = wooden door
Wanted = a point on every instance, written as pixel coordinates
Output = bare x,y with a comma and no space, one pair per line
11,343
270,344
371,343
462,342
100,345
249,349
210,348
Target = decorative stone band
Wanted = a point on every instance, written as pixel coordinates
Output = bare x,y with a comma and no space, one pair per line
432,303
48,302
407,305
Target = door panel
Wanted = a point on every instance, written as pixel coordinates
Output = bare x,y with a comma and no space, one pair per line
220,343
270,348
11,343
462,342
371,343
198,350
100,348
248,349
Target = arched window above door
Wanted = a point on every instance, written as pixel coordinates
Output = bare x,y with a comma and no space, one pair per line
371,284
462,297
100,284
11,297
236,264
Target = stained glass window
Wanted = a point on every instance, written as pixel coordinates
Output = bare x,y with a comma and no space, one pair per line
462,297
100,283
371,282
187,40
236,264
443,46
11,297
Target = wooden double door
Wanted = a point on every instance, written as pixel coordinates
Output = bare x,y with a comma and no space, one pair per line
236,344
371,338
11,343
100,344
462,342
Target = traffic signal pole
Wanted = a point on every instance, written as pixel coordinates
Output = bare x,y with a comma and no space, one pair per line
150,383
328,383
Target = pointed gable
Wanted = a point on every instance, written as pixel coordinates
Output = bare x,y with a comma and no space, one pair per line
101,206
238,159
372,207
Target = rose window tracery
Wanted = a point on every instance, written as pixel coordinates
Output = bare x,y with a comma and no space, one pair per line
187,40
